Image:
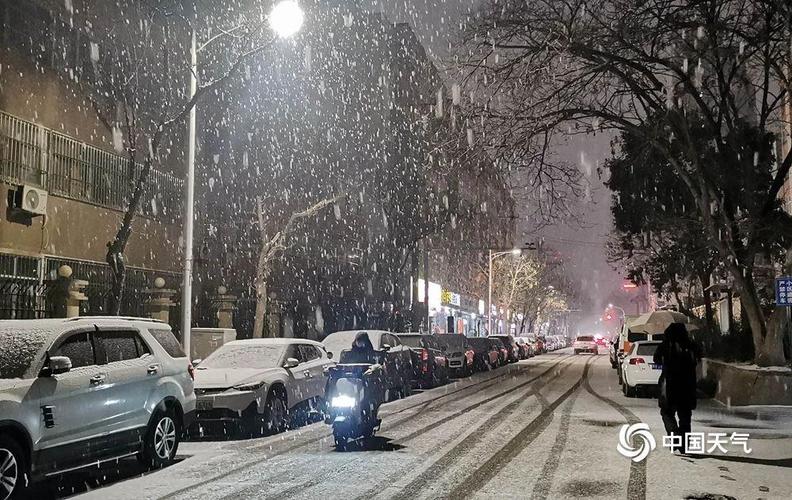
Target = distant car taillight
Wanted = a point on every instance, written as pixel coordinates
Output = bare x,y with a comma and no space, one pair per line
424,355
191,370
637,361
424,361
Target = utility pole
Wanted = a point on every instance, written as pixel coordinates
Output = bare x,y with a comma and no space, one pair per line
189,184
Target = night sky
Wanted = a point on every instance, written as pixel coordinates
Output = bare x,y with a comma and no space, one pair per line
582,242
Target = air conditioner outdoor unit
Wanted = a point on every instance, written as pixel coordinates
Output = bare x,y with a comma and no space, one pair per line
32,200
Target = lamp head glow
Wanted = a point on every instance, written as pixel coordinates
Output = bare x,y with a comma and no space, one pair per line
516,251
343,401
286,18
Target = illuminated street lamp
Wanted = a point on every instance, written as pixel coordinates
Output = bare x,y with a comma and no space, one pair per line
285,19
492,256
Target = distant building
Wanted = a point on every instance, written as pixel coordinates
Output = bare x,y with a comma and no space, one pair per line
52,142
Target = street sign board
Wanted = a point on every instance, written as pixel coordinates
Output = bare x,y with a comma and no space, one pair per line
783,291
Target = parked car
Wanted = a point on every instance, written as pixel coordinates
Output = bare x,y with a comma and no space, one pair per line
429,359
503,352
542,343
526,349
585,343
538,346
638,369
396,358
513,354
626,338
613,351
460,353
257,386
80,392
551,343
487,354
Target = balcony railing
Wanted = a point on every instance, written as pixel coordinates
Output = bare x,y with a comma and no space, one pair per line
32,154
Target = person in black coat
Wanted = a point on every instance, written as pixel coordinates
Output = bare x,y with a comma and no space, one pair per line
678,356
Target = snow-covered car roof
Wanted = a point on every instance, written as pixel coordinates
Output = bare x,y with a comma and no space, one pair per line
273,341
341,341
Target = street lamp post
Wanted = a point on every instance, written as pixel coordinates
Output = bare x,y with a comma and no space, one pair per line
493,256
285,19
624,314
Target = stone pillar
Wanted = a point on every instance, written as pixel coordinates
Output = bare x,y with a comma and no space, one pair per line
225,304
67,293
160,301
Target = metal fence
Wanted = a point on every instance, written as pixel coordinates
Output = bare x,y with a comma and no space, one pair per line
24,282
23,299
32,154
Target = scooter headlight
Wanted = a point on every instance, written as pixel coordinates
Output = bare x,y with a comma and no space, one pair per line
343,401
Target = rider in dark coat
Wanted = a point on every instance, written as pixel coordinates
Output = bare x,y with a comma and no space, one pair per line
678,356
362,351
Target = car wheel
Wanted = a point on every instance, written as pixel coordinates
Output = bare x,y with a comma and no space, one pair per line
406,389
577,352
13,469
161,440
276,413
629,391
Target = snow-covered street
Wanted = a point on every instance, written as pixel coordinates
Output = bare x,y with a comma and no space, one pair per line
542,428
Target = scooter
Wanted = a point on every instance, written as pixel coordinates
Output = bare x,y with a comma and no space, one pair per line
353,403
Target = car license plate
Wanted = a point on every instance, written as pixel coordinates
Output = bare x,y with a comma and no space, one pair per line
656,366
203,404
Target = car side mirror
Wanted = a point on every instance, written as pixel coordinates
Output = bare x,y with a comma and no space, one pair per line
291,363
56,365
329,355
386,347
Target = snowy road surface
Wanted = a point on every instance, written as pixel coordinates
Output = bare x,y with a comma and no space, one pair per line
543,428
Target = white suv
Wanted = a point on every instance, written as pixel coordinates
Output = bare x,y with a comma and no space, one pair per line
81,391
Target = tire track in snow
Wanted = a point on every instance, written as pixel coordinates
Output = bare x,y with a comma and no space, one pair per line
545,482
320,478
465,446
636,484
299,444
489,469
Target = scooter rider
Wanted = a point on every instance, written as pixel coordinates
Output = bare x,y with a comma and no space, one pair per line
363,352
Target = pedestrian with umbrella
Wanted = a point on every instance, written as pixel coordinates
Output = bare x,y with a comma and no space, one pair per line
678,356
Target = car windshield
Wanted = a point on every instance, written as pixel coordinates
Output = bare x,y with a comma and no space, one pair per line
18,350
646,349
452,341
636,336
245,356
411,340
479,344
585,338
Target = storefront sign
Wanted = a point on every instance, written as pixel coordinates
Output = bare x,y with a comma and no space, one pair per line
450,298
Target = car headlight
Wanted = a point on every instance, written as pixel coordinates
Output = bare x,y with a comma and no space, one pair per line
249,386
343,401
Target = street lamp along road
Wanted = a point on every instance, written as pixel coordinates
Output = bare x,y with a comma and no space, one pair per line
285,19
492,256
